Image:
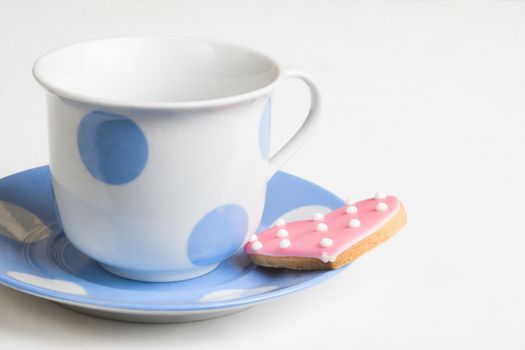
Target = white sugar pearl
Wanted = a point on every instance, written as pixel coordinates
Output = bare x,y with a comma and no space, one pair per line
380,195
321,227
257,245
351,209
284,243
349,201
326,242
327,258
354,223
318,216
381,206
282,233
253,238
280,222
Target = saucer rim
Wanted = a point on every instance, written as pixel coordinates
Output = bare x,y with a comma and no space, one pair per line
151,309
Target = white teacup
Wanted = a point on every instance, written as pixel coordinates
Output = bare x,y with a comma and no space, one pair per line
159,149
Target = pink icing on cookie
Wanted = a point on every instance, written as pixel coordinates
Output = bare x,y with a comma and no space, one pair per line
345,228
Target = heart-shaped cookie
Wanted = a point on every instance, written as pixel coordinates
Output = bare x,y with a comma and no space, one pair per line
328,241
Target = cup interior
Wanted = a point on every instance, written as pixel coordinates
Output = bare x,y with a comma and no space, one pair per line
154,70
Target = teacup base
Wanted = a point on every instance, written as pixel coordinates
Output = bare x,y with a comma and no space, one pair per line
159,276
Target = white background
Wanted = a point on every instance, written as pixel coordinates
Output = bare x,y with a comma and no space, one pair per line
425,100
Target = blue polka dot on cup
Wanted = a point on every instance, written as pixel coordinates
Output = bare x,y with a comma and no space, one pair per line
218,235
264,130
112,147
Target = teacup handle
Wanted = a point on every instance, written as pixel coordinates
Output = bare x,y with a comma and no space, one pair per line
306,129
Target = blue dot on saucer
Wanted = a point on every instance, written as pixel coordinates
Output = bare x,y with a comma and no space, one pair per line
264,130
112,147
218,235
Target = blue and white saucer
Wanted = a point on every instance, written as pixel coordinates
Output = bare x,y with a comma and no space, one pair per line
36,258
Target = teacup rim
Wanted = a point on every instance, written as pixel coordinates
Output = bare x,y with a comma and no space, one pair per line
55,89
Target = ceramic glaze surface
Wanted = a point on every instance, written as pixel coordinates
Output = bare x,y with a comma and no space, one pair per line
156,69
131,189
45,263
159,149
